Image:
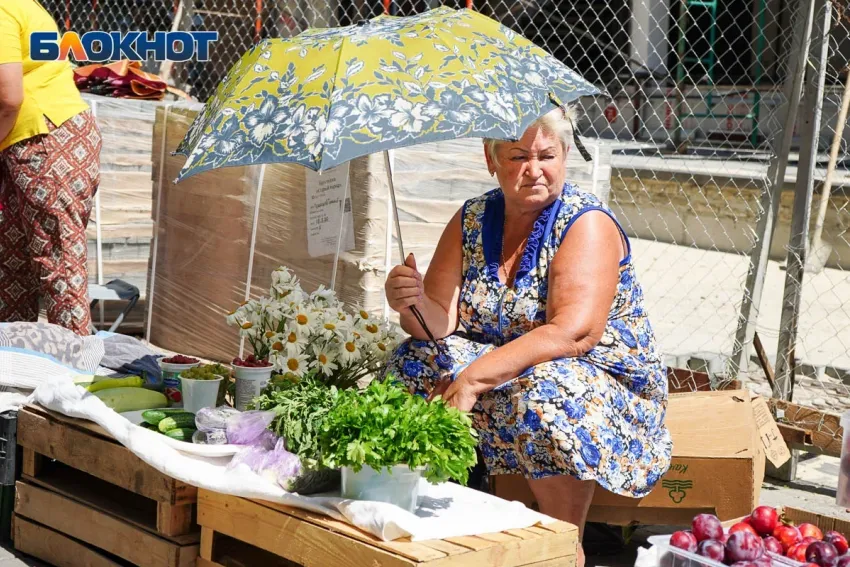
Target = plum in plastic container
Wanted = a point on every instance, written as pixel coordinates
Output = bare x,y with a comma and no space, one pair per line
670,556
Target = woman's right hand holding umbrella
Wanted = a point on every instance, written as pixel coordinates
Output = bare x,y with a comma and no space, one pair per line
404,286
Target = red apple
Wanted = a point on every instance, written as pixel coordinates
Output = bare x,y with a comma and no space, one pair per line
764,519
838,540
810,530
684,540
787,536
797,552
743,527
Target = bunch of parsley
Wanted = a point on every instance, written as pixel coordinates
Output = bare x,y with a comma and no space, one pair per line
300,409
384,425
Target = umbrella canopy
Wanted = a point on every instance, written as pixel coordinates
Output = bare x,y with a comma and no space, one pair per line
330,95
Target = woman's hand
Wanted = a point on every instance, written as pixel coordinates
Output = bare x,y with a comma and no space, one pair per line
457,393
404,286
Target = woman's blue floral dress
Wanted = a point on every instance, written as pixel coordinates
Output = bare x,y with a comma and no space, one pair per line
599,416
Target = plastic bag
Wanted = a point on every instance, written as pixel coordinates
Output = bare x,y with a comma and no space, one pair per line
210,419
214,437
275,464
250,428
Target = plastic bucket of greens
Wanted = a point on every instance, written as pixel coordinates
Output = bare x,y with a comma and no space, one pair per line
399,485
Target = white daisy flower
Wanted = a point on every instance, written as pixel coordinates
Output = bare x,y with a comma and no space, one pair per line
349,351
325,359
294,364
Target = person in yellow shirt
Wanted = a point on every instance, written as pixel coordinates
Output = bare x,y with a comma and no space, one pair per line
49,172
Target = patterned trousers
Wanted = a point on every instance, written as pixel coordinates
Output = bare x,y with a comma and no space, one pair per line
47,184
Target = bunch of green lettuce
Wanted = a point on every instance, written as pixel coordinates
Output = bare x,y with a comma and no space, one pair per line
384,425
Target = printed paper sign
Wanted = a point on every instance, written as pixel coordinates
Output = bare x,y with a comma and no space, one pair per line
324,193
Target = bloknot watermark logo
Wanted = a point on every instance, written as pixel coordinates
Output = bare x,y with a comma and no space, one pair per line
102,46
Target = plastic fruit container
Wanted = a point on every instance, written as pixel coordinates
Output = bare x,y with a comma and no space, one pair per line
669,556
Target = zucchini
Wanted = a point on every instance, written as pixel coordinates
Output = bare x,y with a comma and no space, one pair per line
131,399
154,416
131,382
181,433
177,421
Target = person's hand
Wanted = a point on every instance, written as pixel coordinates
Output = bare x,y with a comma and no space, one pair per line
460,394
404,286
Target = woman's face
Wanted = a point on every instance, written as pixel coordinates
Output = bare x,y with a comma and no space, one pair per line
531,171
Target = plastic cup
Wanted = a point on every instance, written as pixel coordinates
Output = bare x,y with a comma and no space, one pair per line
250,382
200,394
401,487
171,380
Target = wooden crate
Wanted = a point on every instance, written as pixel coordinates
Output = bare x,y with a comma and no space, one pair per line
79,483
299,538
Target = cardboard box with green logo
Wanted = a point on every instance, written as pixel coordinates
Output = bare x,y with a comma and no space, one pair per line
720,441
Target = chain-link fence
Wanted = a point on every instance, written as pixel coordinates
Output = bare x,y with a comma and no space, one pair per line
710,102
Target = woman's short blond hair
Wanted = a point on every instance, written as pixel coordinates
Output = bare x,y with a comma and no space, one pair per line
557,122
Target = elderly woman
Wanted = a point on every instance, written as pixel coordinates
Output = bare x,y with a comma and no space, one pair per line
533,293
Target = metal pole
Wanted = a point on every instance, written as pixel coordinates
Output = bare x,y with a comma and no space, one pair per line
253,245
346,195
395,204
798,246
830,169
770,197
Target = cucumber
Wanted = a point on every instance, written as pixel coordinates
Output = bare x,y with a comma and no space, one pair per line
154,416
181,433
177,421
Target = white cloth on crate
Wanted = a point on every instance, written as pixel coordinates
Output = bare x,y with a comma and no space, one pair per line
446,510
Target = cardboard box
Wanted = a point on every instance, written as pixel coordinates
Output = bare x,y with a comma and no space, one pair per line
718,465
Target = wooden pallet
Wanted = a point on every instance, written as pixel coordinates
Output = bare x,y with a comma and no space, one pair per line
301,538
79,483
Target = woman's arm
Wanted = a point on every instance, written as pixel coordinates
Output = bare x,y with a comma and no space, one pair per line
583,281
11,96
435,295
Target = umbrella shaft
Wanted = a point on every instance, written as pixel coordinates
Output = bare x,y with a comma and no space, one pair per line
395,204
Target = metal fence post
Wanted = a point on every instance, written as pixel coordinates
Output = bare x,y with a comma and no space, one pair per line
798,245
771,195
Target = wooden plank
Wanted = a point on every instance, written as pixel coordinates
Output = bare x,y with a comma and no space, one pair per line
558,527
32,462
795,437
471,542
55,548
798,516
411,550
764,361
537,530
174,519
287,536
105,497
566,561
524,534
99,457
201,562
499,537
101,530
825,426
84,424
514,553
207,538
446,547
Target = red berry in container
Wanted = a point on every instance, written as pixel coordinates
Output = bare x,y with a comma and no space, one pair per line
823,553
787,536
773,545
810,530
743,527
